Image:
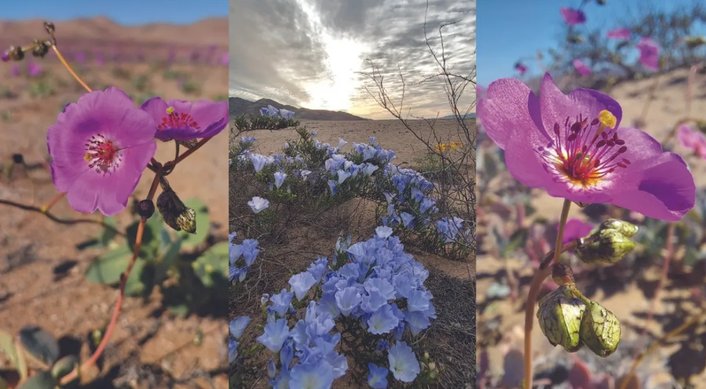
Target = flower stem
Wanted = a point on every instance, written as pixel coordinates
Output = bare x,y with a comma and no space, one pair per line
189,151
69,68
57,219
542,273
46,207
116,309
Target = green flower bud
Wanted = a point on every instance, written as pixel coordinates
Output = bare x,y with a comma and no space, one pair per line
175,213
625,228
609,244
559,316
600,330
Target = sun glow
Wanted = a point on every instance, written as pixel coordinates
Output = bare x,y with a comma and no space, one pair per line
344,61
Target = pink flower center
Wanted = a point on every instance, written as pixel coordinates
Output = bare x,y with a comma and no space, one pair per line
584,153
102,155
178,120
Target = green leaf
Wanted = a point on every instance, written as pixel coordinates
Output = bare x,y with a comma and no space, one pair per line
212,265
64,366
108,267
39,344
8,346
138,282
42,380
150,238
191,241
108,234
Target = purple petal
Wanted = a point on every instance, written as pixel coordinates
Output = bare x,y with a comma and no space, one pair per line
508,107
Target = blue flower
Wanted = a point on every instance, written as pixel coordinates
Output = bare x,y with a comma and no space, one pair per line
403,362
407,219
237,326
259,161
281,302
318,268
347,299
449,228
301,283
276,331
311,376
383,232
232,349
258,204
418,300
377,376
279,179
382,321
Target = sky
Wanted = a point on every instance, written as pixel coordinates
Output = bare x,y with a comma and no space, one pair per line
311,53
512,30
128,12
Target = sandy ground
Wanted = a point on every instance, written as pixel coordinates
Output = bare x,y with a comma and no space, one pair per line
661,115
41,270
450,340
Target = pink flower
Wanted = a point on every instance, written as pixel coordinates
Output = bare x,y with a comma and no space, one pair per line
187,120
572,16
572,147
649,53
99,147
619,33
581,68
34,69
576,229
692,139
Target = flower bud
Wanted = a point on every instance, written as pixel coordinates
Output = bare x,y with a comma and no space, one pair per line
174,212
559,316
609,244
40,48
600,330
145,208
14,53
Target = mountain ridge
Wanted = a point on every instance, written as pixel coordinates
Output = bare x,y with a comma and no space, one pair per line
238,106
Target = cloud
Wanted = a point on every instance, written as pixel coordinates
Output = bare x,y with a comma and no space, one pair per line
277,48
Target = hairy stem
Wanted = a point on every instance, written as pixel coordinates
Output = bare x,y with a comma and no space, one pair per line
539,277
57,219
116,309
70,69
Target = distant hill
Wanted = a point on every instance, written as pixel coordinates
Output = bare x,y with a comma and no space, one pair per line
239,106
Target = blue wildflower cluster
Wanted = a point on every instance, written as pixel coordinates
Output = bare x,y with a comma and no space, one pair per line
272,112
372,286
309,167
242,256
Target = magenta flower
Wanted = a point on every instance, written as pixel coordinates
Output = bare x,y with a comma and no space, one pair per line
581,68
521,68
187,120
692,139
99,147
572,147
649,53
34,69
575,229
572,16
619,33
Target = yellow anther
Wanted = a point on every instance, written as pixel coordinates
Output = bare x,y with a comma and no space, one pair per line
607,119
170,110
